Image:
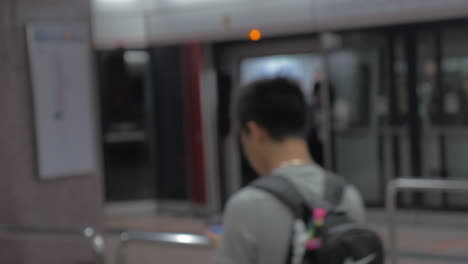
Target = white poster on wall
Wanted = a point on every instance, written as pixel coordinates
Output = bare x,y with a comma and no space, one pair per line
60,66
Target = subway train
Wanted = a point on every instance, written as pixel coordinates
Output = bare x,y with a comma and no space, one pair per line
394,75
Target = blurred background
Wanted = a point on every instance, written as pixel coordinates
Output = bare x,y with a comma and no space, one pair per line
116,116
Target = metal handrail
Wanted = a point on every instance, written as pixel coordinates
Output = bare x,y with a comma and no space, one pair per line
89,233
182,239
413,185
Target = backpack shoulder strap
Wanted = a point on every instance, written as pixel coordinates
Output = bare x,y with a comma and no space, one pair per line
285,191
334,189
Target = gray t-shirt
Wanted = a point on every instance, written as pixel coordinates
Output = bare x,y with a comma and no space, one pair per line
257,226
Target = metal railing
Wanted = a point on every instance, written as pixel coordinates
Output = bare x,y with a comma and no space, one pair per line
425,185
182,239
95,239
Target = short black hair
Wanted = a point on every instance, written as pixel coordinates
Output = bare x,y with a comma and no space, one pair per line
278,105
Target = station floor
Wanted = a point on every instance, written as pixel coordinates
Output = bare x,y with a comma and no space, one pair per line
423,238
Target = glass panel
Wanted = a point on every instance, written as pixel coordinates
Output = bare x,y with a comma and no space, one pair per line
303,68
455,76
401,75
455,106
349,78
355,77
427,72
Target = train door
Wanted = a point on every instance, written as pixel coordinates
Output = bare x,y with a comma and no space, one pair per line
355,64
428,114
239,64
126,133
143,124
453,130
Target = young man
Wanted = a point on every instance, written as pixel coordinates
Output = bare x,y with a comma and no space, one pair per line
272,117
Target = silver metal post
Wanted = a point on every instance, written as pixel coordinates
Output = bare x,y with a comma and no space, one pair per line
97,244
391,208
122,249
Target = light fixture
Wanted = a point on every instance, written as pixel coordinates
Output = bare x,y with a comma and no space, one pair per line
136,57
255,35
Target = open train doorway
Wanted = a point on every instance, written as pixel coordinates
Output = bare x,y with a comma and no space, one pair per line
240,64
352,72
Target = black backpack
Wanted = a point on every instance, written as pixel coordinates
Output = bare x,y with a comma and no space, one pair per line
321,234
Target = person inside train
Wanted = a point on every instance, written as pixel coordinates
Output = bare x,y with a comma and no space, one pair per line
314,136
272,117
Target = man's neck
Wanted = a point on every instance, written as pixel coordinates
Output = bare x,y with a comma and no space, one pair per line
287,153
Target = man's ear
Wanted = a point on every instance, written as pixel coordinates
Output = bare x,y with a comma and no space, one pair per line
257,132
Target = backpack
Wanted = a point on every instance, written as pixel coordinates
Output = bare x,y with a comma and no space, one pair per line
320,234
